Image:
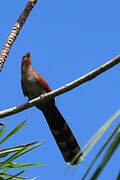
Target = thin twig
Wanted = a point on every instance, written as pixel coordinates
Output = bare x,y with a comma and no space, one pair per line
15,31
91,75
2,124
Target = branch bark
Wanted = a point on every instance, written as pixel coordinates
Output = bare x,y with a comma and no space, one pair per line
15,31
91,75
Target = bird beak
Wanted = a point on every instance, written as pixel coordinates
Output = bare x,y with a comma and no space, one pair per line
27,54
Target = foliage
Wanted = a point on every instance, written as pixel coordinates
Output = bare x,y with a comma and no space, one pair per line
10,154
113,140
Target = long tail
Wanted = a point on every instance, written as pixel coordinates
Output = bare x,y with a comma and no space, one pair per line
62,133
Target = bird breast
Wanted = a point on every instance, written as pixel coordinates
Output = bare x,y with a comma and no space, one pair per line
32,86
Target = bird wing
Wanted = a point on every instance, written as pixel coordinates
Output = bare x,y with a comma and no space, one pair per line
43,83
23,88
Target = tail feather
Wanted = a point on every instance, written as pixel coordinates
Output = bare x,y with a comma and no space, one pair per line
62,133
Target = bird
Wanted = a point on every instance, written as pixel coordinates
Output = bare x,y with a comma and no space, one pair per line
34,85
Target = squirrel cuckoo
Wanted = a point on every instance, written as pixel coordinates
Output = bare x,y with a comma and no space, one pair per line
33,85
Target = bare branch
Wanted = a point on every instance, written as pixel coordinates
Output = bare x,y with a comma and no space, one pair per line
15,31
91,75
2,124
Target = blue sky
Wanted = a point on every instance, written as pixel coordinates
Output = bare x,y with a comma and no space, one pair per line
67,39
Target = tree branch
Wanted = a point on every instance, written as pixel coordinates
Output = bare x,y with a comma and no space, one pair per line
15,31
91,75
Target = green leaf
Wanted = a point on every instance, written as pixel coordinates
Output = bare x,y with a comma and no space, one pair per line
24,165
16,176
100,151
10,176
118,176
17,154
91,143
18,151
2,129
29,149
99,133
114,144
17,128
6,151
35,178
19,166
